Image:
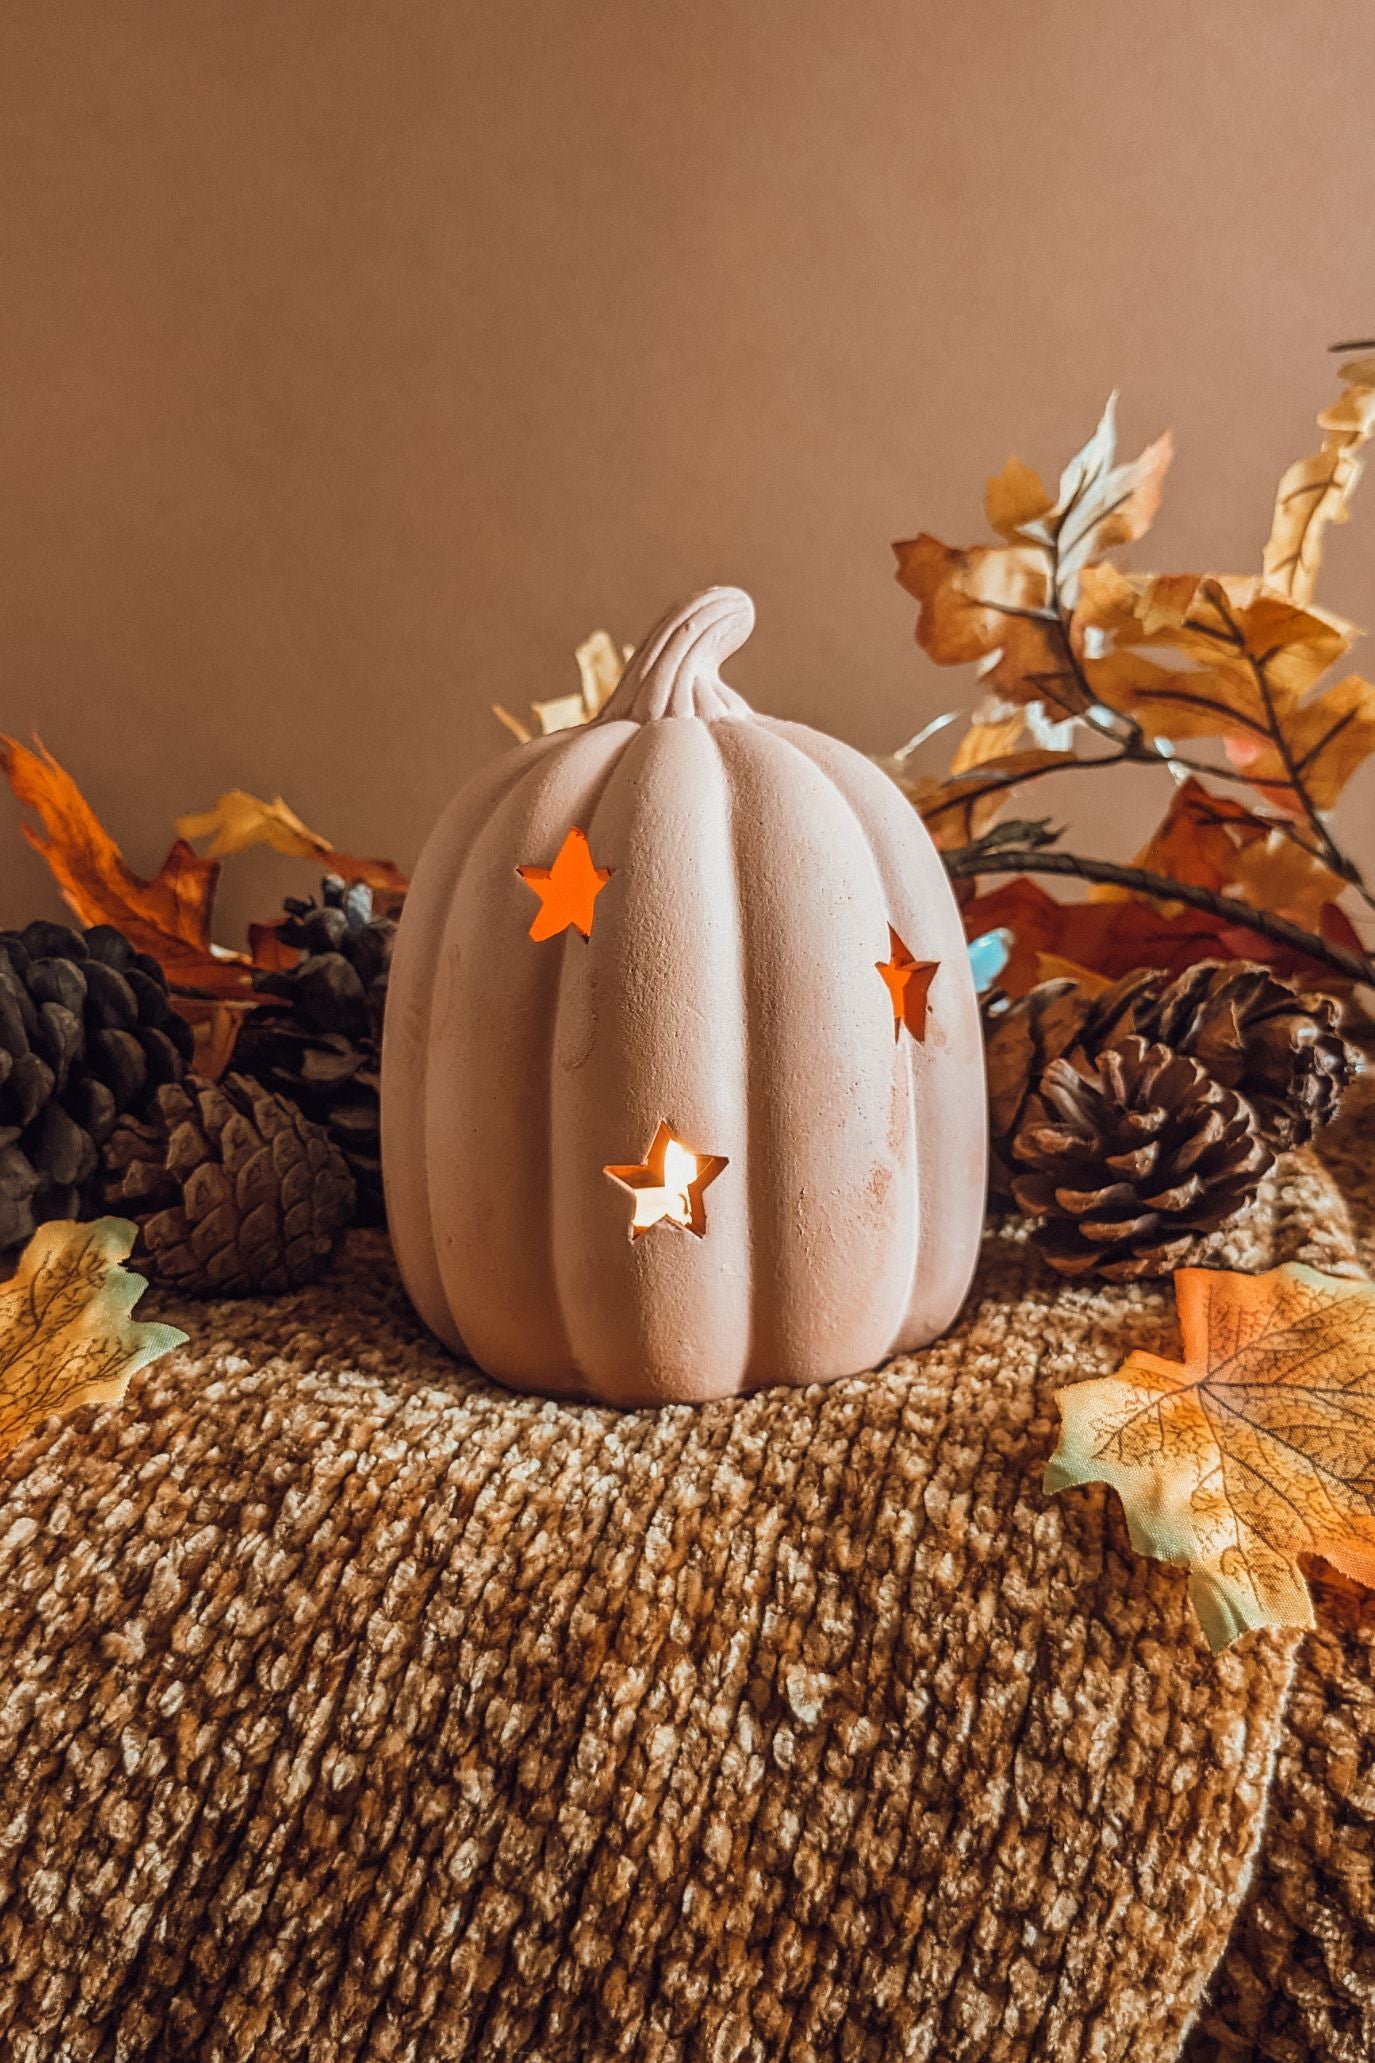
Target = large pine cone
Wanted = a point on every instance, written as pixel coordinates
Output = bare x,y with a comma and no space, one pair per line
1021,1038
233,1189
87,1033
1277,1046
1126,1164
319,1042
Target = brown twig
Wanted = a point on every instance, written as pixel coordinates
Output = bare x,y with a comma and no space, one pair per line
971,860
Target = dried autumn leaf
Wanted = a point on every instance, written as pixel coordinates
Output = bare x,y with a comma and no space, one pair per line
1277,874
238,821
1009,607
167,916
958,810
1197,841
1102,505
66,1336
989,738
1015,498
1325,740
1316,491
1203,658
601,662
1257,1447
1114,938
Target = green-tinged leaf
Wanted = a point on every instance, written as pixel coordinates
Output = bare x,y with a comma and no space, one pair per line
66,1334
1255,1448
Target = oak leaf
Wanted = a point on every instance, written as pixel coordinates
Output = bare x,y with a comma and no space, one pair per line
959,809
1114,938
1189,657
237,821
1010,607
1255,1448
1198,841
66,1335
1015,498
1325,739
601,662
1316,491
1276,873
167,915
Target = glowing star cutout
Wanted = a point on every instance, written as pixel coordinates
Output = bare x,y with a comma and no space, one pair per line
567,890
908,983
668,1185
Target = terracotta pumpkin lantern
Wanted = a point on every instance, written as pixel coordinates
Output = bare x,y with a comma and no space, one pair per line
682,1081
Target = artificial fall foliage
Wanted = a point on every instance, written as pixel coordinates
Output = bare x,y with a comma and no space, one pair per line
601,662
1083,667
169,915
66,1333
1250,1451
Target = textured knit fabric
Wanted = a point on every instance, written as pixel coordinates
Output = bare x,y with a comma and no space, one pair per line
355,1709
1297,1983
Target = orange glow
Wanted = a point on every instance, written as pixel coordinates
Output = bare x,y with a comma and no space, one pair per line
567,890
908,982
668,1184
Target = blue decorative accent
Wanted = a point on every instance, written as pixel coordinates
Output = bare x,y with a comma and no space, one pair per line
988,955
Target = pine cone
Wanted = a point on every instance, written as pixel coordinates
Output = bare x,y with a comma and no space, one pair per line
1127,1161
321,1047
87,1033
1021,1038
1278,1047
233,1190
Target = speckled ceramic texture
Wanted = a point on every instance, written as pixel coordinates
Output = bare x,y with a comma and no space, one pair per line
730,988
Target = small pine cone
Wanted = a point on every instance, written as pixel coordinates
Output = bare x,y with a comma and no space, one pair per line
1277,1046
234,1191
1126,1162
1021,1038
319,1039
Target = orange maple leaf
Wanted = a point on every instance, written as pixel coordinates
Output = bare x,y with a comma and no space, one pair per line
1255,1448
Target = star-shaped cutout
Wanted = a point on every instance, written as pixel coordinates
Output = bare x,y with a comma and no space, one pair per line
908,982
668,1184
567,890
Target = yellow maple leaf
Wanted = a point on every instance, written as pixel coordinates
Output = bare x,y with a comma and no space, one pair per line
66,1336
1255,1448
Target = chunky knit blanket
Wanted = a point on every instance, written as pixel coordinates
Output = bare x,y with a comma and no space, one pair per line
354,1709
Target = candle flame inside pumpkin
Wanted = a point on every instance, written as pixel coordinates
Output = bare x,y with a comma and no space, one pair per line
667,1185
674,1199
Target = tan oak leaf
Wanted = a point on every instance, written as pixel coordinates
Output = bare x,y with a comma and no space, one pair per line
1316,491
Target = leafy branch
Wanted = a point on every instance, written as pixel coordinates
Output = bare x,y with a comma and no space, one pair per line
975,860
1066,644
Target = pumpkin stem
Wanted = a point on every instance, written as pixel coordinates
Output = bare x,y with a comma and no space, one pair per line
675,671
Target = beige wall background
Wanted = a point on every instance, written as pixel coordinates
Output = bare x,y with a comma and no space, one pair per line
358,356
